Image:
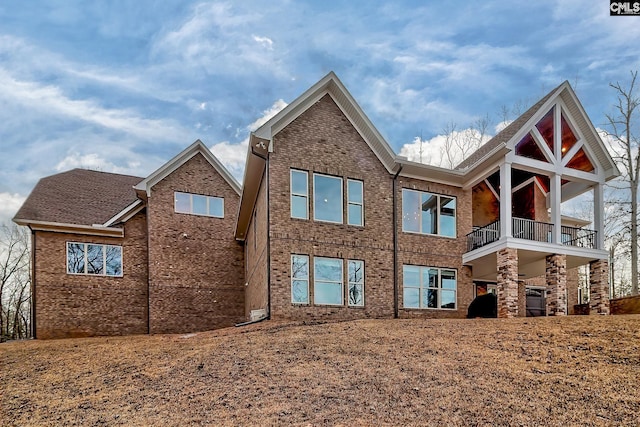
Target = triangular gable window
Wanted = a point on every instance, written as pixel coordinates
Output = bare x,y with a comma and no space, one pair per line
581,162
545,127
528,147
568,137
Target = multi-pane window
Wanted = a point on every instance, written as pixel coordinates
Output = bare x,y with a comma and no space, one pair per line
94,259
429,287
327,281
356,283
355,205
428,213
197,204
299,194
300,279
327,198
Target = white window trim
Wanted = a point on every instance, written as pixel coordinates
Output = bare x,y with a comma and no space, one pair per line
349,283
341,198
341,282
421,286
208,198
455,217
306,195
361,203
104,260
300,280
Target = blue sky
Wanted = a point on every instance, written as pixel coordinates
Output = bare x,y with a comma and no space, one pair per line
123,86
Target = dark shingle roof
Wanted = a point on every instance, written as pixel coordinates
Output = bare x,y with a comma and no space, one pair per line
79,196
505,134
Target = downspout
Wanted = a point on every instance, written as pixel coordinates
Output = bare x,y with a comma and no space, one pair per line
33,284
395,245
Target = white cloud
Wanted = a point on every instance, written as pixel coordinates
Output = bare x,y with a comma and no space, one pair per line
9,205
267,114
94,161
434,151
266,42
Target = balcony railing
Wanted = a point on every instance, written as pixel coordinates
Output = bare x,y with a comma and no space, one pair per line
531,230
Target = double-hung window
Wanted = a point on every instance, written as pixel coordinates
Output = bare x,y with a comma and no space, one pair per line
299,194
429,287
197,204
300,279
355,199
428,213
327,281
94,259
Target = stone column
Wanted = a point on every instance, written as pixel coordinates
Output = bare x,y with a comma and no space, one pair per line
507,263
599,286
556,277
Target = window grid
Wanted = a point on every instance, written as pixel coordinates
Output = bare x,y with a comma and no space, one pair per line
298,197
414,221
94,259
188,203
355,203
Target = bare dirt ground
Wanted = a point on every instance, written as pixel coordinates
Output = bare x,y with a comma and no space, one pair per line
486,372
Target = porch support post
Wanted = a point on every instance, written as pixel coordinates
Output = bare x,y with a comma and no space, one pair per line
598,214
556,200
505,200
599,286
507,263
556,277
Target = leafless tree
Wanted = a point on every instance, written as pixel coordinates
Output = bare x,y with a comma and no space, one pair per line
624,131
15,282
459,144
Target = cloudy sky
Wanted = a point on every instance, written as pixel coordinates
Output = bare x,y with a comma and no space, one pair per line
123,86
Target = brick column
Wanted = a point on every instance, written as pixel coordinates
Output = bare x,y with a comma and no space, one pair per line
556,277
599,286
507,263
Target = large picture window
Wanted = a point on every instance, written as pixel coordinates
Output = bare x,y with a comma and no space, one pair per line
300,279
94,259
429,287
428,213
327,198
299,194
197,204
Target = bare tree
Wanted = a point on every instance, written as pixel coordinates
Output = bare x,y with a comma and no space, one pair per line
623,131
459,144
15,282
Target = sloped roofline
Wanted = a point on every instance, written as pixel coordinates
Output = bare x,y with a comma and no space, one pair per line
179,160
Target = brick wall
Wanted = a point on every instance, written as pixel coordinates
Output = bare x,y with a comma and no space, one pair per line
256,292
196,267
436,251
323,140
84,305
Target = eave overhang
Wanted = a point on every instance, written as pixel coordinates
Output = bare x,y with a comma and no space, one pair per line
254,171
56,227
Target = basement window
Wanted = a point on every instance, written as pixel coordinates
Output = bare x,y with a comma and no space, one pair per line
429,287
94,259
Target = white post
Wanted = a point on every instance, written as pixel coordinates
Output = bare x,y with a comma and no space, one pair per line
505,200
556,200
598,214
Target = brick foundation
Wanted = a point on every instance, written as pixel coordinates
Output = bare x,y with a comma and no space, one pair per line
599,284
507,262
556,277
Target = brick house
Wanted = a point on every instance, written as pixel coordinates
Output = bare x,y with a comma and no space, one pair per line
329,224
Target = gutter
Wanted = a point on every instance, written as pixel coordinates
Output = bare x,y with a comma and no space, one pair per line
395,245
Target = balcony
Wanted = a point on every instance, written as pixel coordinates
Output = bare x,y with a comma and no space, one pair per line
531,230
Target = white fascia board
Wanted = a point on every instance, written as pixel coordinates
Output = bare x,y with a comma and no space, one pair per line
94,230
125,214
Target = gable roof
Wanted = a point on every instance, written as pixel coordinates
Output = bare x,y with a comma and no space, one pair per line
77,197
504,140
505,134
185,155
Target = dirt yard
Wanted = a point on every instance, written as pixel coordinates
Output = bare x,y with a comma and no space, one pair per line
570,371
